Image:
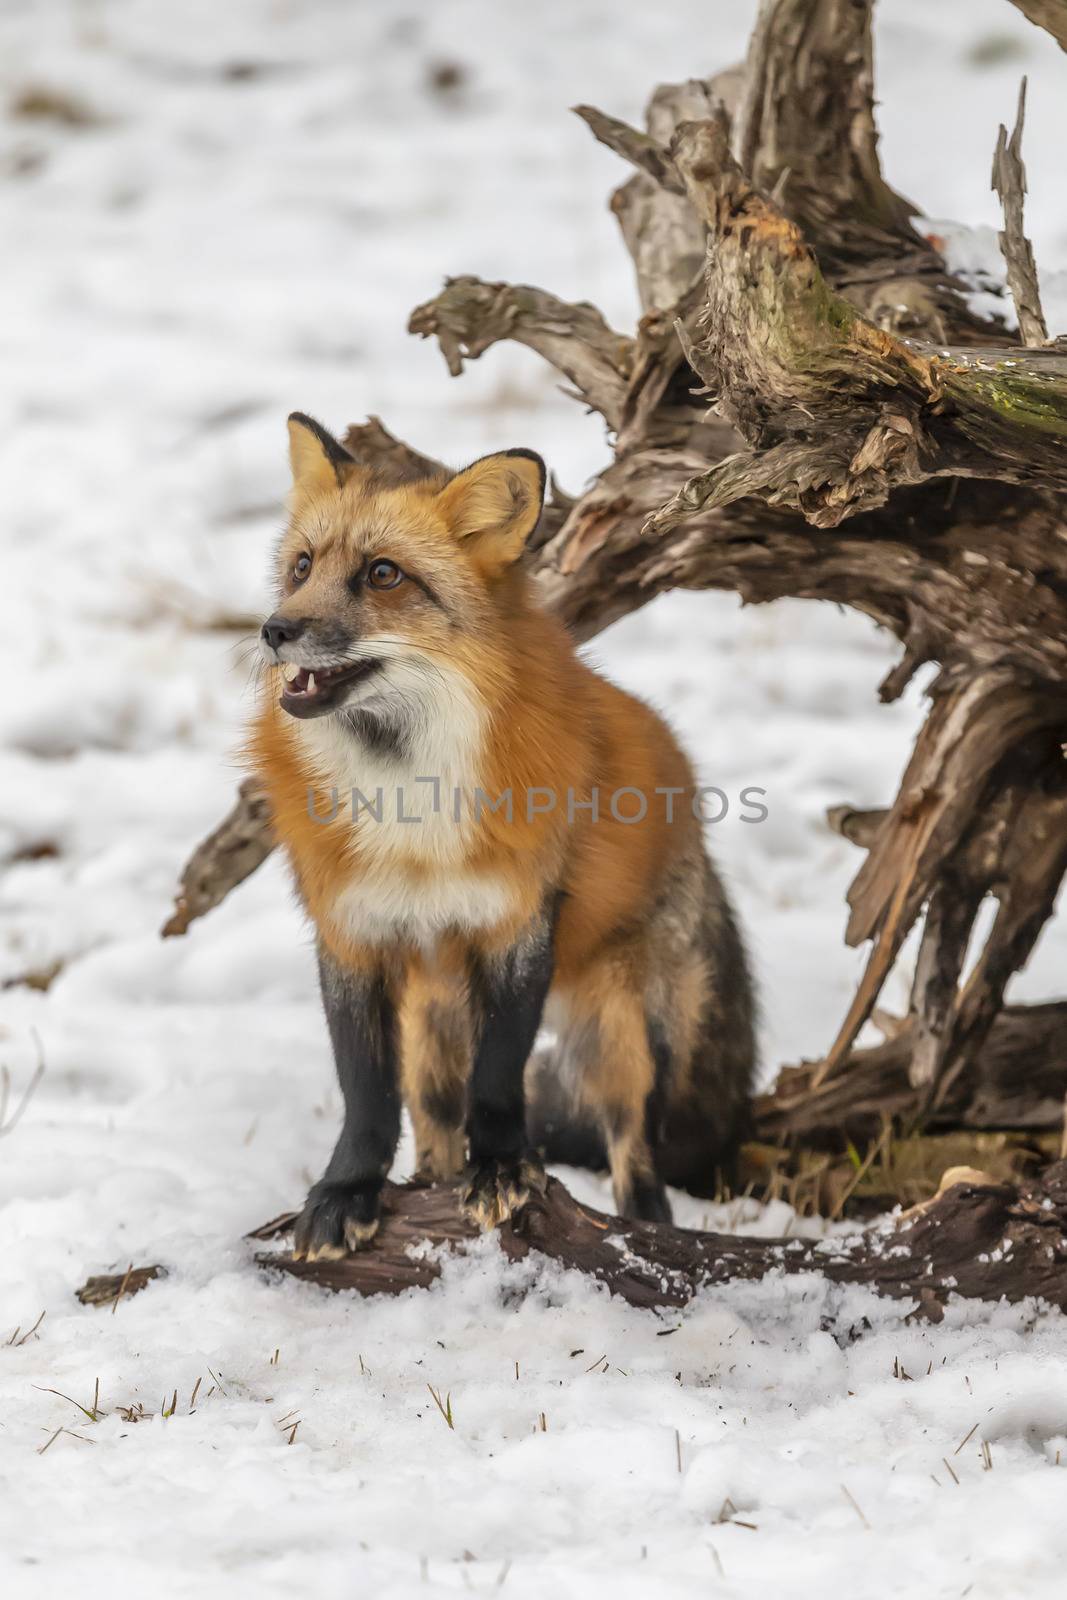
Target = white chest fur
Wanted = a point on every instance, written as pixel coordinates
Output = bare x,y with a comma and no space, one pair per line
383,906
409,835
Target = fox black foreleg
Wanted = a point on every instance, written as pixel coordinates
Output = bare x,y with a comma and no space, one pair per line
342,1209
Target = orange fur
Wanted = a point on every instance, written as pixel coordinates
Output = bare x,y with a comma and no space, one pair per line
512,708
552,724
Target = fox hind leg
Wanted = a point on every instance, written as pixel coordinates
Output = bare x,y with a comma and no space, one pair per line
623,1080
436,1054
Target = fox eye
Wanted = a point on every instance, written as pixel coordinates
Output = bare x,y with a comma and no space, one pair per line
384,575
301,567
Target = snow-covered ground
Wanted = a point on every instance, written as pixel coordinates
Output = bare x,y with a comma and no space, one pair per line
230,217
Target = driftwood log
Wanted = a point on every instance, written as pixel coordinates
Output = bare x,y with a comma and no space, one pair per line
809,407
1018,1080
976,1239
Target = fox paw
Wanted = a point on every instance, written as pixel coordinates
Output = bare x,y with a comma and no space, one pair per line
496,1190
337,1219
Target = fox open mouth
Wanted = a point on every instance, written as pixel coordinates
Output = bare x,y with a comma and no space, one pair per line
310,692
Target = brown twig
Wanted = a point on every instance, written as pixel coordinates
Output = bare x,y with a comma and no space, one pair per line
1009,182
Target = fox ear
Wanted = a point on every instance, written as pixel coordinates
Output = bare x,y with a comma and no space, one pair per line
495,505
318,460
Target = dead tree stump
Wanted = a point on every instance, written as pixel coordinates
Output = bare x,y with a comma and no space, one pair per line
808,407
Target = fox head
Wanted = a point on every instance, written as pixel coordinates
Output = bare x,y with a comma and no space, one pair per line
381,588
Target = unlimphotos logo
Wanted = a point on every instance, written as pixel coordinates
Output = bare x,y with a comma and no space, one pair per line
627,805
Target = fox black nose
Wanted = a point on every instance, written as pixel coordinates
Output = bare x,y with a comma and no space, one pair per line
277,631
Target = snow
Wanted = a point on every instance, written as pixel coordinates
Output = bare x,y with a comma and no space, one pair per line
261,194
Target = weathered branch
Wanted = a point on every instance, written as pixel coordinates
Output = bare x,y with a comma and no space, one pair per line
644,152
469,316
858,827
1048,14
662,233
950,917
1013,845
975,1239
801,112
973,726
1026,874
1017,1080
396,462
837,412
1009,183
228,856
971,559
805,131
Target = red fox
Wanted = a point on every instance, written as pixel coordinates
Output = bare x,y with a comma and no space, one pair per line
487,836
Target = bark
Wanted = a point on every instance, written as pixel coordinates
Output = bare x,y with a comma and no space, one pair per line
108,1288
837,412
1048,14
469,316
975,1239
230,854
664,239
1017,1080
961,828
805,132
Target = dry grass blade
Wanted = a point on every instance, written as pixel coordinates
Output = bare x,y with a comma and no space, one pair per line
32,1332
29,1334
10,1120
443,1406
135,1412
854,1503
91,1412
70,1435
864,1167
123,1286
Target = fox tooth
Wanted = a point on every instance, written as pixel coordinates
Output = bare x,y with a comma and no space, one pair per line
289,671
311,683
